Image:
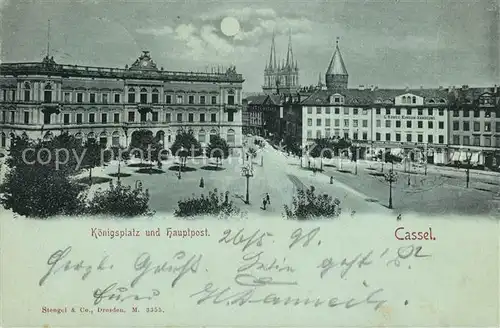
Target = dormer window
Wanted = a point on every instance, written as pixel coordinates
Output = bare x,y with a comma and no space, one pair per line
403,99
414,100
431,101
442,101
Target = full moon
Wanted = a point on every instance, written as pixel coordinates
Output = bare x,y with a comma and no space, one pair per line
230,26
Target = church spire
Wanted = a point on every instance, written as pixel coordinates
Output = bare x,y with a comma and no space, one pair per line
289,54
272,55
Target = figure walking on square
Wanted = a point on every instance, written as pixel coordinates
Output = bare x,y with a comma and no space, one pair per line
268,199
264,203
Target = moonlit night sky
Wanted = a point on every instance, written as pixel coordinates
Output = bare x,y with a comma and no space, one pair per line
386,43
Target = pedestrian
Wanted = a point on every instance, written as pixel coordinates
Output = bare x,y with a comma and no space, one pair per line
202,183
268,199
226,199
264,203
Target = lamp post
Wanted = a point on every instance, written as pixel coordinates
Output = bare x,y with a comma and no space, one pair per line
390,177
356,147
247,172
180,162
138,184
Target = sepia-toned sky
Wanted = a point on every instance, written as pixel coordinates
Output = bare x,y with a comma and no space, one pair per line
388,43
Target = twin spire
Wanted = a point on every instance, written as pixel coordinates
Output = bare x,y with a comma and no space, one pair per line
274,64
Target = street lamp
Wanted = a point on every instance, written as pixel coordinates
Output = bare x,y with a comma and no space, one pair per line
138,184
390,177
125,129
247,172
356,147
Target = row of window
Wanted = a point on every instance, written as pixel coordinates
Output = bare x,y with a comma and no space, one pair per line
476,126
476,141
388,123
378,111
378,136
92,118
476,113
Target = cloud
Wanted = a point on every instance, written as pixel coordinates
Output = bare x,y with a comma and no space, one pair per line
165,30
242,14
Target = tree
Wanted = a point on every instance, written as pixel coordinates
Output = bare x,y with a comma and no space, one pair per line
292,144
142,140
185,143
307,205
214,204
218,149
119,200
92,156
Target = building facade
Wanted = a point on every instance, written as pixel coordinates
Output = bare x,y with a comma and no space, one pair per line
253,115
109,104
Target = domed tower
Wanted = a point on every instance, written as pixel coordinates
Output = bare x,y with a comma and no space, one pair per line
336,76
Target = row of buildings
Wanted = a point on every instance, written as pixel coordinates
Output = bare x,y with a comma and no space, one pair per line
42,99
448,124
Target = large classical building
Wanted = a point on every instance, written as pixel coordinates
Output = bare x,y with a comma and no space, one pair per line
44,98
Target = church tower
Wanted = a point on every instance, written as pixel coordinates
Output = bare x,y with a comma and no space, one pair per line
336,76
281,76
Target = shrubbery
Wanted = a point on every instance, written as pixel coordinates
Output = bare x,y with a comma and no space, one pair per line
215,204
307,205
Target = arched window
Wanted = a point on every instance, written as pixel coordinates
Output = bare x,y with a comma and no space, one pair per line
115,139
144,96
131,95
202,136
47,93
213,133
431,101
27,91
103,139
169,136
78,137
231,137
91,135
155,96
414,100
3,139
403,99
442,101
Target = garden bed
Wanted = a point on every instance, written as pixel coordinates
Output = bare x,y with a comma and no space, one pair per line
212,168
95,180
377,174
121,175
183,168
149,171
140,165
344,171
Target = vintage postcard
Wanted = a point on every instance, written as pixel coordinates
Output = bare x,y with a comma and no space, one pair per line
249,163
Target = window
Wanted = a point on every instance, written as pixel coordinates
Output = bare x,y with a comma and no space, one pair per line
309,122
420,111
131,116
144,116
318,134
179,117
497,141
27,117
104,98
398,111
202,117
213,117
365,112
377,111
387,137
168,117
191,99
441,125
387,123
420,124
398,137
430,138
92,98
168,99
337,99
408,111
230,99
414,100
318,122
355,111
466,113
497,127
190,117
487,141
66,119
377,136
318,110
476,141
328,110
46,118
487,126
327,133
378,123
116,117
466,126
309,134
309,110
398,124
337,110
365,123
408,124
117,97
47,94
387,111
179,99
429,111
365,135
104,118
67,97
408,137
346,123
441,112
79,118
355,123
327,122
131,95
346,135
477,113
115,139
456,125
430,125
477,126
27,91
355,136
202,100
144,96
346,110
337,122
420,138
441,139
214,100
155,96
466,140
91,118
154,116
